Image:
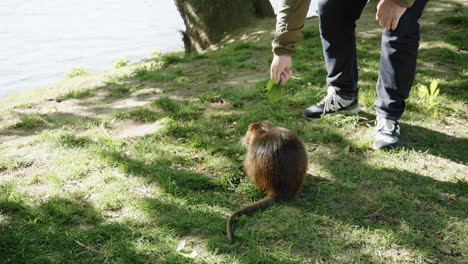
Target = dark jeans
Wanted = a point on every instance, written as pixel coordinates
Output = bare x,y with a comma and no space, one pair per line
398,55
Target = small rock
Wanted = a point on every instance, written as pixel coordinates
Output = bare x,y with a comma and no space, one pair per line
446,250
447,197
58,99
417,202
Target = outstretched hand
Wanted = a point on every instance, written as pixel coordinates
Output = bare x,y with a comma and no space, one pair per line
280,70
389,14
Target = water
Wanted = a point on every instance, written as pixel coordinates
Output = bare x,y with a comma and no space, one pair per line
42,40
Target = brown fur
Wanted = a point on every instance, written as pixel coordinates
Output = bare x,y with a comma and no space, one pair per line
276,161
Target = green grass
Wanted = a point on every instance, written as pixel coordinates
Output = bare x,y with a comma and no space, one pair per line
122,62
29,121
172,58
152,73
70,140
79,94
239,55
183,111
76,72
12,163
119,90
73,191
457,35
141,114
168,105
213,75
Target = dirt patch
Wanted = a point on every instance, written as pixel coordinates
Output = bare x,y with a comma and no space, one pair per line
132,129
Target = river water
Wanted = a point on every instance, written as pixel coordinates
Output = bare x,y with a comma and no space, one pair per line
42,40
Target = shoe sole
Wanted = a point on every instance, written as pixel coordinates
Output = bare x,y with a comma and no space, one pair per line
394,146
346,112
350,111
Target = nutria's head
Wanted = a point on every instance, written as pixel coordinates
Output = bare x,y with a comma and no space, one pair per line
255,129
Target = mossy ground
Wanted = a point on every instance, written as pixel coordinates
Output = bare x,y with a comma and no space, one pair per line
143,164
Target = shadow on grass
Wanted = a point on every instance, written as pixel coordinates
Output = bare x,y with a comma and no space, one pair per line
449,65
63,230
31,124
436,143
407,204
411,207
396,196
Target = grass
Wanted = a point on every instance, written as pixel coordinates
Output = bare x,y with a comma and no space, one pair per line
213,74
79,94
118,90
12,163
122,62
152,73
72,190
141,114
76,72
70,140
172,58
29,121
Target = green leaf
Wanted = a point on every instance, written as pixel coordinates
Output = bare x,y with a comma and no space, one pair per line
270,85
274,91
422,91
434,88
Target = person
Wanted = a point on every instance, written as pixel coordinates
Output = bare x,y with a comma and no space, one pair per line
337,18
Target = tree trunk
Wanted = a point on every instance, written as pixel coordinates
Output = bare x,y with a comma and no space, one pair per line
208,21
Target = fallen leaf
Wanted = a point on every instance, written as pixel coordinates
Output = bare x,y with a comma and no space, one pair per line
194,254
181,245
346,149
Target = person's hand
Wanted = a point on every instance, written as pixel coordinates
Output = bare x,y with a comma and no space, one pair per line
389,14
280,69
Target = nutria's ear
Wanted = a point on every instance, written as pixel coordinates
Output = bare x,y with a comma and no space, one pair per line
254,126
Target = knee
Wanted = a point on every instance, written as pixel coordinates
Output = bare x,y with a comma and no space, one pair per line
407,30
406,34
335,18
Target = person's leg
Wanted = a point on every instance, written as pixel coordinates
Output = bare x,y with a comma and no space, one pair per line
398,63
337,30
397,70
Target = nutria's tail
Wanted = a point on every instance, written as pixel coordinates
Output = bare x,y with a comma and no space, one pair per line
261,204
